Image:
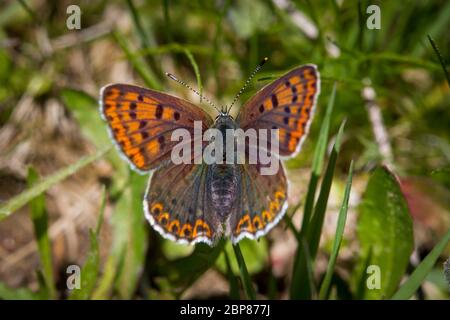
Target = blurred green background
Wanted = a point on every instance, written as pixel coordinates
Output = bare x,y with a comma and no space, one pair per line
392,89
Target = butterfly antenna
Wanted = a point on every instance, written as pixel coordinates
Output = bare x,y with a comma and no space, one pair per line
171,76
258,67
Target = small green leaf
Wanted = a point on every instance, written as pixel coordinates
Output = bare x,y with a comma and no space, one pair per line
385,230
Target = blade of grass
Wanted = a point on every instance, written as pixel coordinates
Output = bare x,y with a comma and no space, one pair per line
138,64
234,286
23,198
315,228
168,26
245,277
90,270
318,159
106,282
30,11
130,235
300,284
40,223
441,60
189,55
325,287
138,24
411,285
290,225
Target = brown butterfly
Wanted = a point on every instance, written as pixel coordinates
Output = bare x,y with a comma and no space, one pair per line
191,203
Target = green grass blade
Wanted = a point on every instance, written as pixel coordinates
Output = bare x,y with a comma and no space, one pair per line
411,285
315,228
325,287
106,282
441,60
168,25
23,198
101,211
130,234
318,159
234,286
189,55
138,64
300,285
30,11
40,223
138,24
245,277
90,270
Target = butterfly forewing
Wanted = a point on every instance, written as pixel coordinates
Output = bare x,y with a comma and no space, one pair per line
141,121
286,104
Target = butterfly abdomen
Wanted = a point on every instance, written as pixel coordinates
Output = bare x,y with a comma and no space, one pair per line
223,184
223,188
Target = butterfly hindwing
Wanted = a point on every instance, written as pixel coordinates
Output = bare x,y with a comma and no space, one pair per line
286,104
177,206
262,202
141,122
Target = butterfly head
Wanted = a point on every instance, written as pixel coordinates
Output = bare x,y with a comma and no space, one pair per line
223,117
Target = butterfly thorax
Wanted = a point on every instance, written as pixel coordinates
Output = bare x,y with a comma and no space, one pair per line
222,182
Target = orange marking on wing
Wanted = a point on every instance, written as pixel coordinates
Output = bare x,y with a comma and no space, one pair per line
245,220
257,223
274,207
292,144
153,147
186,231
163,218
156,208
168,113
294,79
284,100
138,160
267,216
204,229
174,224
279,195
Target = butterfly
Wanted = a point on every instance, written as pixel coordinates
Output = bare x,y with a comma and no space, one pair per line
199,202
